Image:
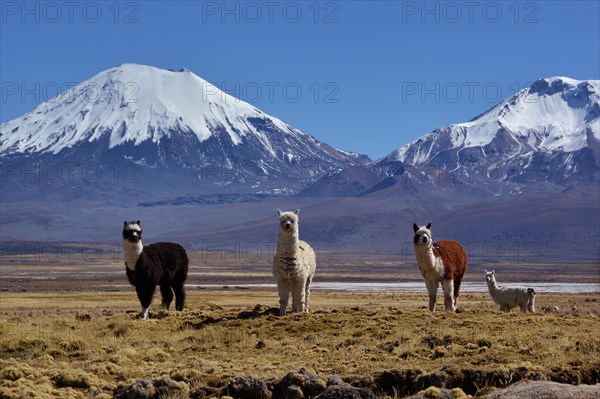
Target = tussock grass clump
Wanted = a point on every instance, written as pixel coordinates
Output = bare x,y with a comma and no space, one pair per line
30,389
127,353
25,348
431,341
71,347
186,375
155,355
83,317
431,393
12,370
120,328
166,387
589,346
64,379
458,393
12,373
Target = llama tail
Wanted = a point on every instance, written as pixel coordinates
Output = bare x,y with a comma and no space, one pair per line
457,282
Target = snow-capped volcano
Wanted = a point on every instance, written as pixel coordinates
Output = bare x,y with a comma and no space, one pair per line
160,118
551,128
135,103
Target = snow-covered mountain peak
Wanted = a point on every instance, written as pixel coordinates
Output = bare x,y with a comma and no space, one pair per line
181,133
549,86
553,114
132,103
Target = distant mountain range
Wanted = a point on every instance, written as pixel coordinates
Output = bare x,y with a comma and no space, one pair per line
548,133
137,141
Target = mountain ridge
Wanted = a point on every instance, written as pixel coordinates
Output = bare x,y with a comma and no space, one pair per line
543,106
544,138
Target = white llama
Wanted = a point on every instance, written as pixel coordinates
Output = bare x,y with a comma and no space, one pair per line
510,297
293,266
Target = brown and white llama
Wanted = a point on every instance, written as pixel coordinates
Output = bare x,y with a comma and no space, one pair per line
440,262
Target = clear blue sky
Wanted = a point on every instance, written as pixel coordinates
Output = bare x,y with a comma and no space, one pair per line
372,75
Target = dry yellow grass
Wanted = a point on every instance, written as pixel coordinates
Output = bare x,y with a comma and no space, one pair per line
79,345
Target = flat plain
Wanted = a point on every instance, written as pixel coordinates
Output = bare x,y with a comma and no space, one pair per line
69,330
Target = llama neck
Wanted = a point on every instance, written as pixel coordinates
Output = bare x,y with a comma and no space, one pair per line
425,256
131,253
492,286
287,245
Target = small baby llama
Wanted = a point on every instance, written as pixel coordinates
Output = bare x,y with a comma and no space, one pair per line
293,266
510,297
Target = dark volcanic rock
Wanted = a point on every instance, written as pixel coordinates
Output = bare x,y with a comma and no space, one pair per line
146,389
294,392
400,382
437,379
245,387
304,383
546,390
309,383
346,392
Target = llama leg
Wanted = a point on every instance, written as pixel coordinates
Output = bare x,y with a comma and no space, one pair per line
145,292
523,308
299,296
448,286
284,296
167,296
179,289
307,294
531,306
432,287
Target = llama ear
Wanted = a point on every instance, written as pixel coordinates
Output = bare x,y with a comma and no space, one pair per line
428,227
278,212
297,211
125,223
485,271
139,223
415,227
493,272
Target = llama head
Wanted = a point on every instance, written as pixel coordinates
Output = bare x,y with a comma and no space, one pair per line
422,235
490,276
288,221
132,231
